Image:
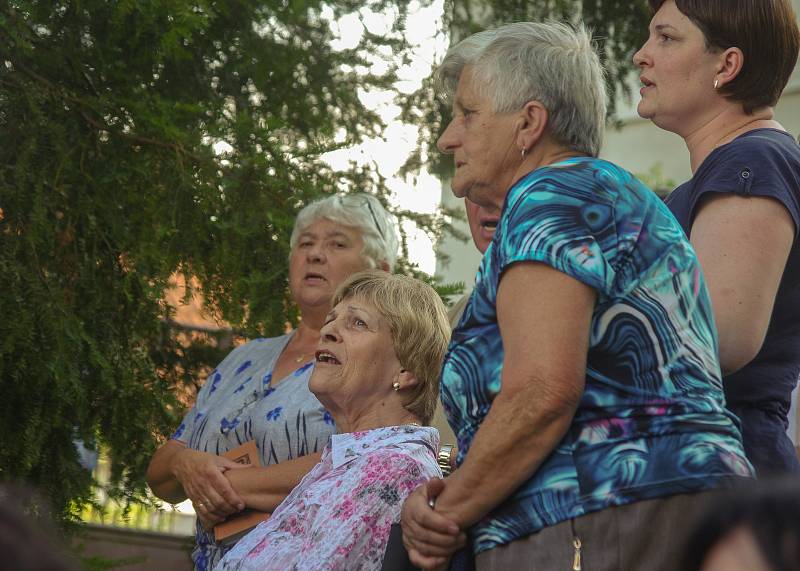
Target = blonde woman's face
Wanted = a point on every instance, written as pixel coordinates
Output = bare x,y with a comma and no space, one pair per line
356,363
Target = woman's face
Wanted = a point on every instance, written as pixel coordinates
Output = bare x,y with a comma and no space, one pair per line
482,224
483,145
677,72
355,361
326,254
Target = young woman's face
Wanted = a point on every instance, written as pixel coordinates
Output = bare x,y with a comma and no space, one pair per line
677,72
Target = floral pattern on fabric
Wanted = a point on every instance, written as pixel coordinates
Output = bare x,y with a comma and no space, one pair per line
339,516
652,421
238,403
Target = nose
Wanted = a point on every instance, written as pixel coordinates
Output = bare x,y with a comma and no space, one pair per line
447,140
641,57
329,332
316,253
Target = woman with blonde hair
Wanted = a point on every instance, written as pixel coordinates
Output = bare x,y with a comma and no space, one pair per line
377,372
260,390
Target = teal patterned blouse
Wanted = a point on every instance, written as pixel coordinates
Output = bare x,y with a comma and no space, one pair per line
652,420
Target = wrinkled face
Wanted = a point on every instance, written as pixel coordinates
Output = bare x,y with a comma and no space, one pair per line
483,145
482,224
355,361
326,254
677,72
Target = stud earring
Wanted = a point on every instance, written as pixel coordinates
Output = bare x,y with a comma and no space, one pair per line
396,385
716,83
523,153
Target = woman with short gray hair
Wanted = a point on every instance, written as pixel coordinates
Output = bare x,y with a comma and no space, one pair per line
582,380
260,390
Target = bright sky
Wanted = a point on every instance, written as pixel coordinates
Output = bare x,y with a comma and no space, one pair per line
423,32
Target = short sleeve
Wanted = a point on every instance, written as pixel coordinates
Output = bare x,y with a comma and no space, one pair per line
209,392
569,231
763,164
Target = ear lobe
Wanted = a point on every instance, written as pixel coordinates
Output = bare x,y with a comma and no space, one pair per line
384,265
407,379
532,125
730,65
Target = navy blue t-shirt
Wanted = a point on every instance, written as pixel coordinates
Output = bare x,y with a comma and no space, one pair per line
762,162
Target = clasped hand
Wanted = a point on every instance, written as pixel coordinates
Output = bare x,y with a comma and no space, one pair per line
202,476
429,535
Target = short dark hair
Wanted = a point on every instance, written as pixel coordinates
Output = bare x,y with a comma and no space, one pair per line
768,509
766,32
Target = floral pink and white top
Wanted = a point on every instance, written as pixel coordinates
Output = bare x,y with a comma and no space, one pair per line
340,514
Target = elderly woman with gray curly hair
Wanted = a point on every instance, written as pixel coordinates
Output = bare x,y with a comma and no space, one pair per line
582,381
377,371
259,393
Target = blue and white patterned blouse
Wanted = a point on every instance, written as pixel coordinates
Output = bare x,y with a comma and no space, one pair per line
238,403
652,420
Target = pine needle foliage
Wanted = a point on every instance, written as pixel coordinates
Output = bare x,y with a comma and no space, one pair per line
619,27
110,183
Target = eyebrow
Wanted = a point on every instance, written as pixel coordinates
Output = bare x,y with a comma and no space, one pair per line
662,27
334,234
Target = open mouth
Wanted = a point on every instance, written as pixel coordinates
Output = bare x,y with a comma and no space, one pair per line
645,82
490,225
326,357
312,277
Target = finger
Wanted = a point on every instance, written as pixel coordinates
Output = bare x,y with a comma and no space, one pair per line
218,506
434,487
226,464
221,496
426,518
441,550
432,542
424,562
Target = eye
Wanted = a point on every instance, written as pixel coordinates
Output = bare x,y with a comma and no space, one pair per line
358,322
304,243
467,113
664,38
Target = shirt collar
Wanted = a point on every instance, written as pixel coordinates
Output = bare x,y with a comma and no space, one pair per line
349,446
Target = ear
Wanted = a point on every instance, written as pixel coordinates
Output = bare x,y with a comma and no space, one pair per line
384,265
407,379
532,123
730,65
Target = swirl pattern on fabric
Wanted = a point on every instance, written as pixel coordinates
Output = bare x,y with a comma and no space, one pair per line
652,421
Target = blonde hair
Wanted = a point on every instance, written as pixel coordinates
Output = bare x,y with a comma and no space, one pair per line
418,322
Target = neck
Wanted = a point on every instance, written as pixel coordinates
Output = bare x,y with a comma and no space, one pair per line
542,154
376,417
723,128
306,336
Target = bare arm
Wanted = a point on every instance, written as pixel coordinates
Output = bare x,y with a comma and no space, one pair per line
176,473
742,244
544,318
265,488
